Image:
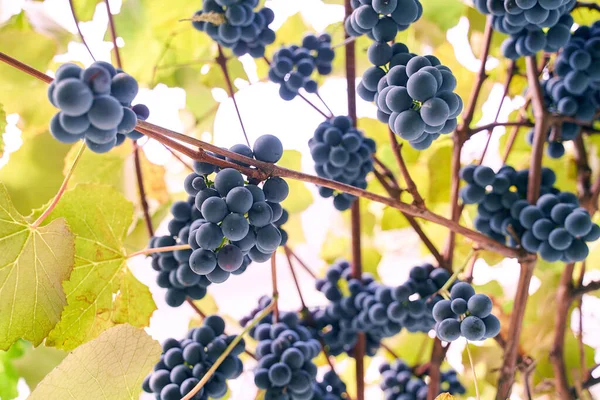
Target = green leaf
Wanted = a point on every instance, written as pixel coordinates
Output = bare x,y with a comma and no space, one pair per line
439,178
34,172
92,167
19,92
101,291
138,237
110,367
393,219
2,128
34,262
37,362
300,198
9,375
444,13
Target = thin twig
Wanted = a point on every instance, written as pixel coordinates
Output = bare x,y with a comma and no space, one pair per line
473,370
113,34
275,290
509,76
296,283
222,61
155,250
302,264
228,350
72,6
61,190
590,287
411,187
490,127
140,182
325,104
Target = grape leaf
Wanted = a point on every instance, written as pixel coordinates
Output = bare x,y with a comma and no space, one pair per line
36,363
2,127
111,366
101,291
34,172
9,375
33,264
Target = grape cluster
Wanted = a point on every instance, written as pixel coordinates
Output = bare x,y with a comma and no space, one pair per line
175,274
415,298
399,382
237,217
533,25
381,20
237,25
377,310
344,154
555,227
183,363
95,105
414,97
293,66
285,351
330,388
465,314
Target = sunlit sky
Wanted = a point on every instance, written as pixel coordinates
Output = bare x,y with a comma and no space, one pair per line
293,122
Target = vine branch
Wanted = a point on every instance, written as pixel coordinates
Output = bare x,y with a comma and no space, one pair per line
72,6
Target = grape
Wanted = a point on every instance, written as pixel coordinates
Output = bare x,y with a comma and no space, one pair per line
560,239
480,305
398,100
97,77
578,224
458,306
203,261
422,86
141,111
593,235
159,380
268,238
548,253
462,290
67,71
239,200
227,179
100,148
484,176
492,326
435,111
260,214
60,133
529,215
268,148
124,87
379,53
578,251
472,328
409,125
128,121
448,330
235,226
73,97
541,228
275,189
230,258
214,209
442,310
105,113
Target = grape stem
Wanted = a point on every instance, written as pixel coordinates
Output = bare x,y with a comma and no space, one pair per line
454,276
72,6
61,190
159,250
411,187
228,350
302,264
222,61
275,290
509,76
296,283
473,370
263,170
